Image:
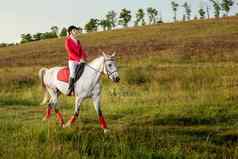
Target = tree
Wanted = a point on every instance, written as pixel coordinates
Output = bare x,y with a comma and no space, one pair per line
11,44
208,11
106,24
160,20
3,45
125,17
48,35
175,8
92,25
226,6
152,13
55,29
184,17
140,14
80,29
155,16
63,32
216,7
26,38
111,17
109,22
201,13
37,36
187,9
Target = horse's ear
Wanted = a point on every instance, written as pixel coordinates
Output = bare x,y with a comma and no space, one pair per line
114,54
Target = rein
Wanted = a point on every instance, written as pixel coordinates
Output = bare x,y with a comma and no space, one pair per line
108,72
93,68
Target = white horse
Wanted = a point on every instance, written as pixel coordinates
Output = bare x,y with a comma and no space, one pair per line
87,86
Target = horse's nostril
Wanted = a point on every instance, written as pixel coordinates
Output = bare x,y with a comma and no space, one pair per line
117,79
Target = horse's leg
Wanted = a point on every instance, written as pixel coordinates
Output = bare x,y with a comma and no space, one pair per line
102,121
59,116
52,104
47,113
73,118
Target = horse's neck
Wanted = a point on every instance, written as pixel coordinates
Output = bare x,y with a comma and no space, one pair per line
98,64
95,68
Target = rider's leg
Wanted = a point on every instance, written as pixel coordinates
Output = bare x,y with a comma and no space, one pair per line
79,70
72,67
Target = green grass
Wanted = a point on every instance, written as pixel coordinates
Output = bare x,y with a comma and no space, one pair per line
177,97
181,111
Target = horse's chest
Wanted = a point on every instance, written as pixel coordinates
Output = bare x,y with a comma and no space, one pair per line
88,89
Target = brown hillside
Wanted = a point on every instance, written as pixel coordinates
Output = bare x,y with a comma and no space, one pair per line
213,40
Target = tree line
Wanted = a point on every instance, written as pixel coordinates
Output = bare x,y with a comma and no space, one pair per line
112,20
149,16
220,7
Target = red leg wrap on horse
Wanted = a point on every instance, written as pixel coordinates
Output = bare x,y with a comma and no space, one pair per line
48,113
60,118
72,119
102,122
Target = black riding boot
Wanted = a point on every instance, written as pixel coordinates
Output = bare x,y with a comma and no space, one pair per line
71,86
79,70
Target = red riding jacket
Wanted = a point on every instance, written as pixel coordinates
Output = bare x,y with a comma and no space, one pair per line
75,51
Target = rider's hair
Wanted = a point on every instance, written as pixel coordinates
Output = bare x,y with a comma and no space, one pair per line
70,28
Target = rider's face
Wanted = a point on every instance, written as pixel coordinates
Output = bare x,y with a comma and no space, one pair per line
75,32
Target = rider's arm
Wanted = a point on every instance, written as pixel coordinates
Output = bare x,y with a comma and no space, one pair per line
70,48
82,52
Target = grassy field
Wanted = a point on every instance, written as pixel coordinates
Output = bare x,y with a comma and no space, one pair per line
177,97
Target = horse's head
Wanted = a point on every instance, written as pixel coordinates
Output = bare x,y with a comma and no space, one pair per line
110,67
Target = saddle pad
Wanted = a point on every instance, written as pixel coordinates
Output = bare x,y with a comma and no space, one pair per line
63,75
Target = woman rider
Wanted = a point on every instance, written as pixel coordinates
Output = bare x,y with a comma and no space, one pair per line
76,56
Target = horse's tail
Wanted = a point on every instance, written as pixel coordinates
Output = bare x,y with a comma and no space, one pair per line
41,76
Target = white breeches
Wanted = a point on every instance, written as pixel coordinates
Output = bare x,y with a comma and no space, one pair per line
72,68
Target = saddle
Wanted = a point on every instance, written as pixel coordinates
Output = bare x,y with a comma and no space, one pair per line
63,74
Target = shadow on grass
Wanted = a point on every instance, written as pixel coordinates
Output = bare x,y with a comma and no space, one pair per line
193,120
17,102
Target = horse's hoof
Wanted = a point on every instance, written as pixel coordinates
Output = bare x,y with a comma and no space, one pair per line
44,119
66,125
106,131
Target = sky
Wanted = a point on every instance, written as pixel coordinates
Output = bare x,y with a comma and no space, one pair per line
32,16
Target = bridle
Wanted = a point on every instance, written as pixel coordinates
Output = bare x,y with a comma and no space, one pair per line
108,72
